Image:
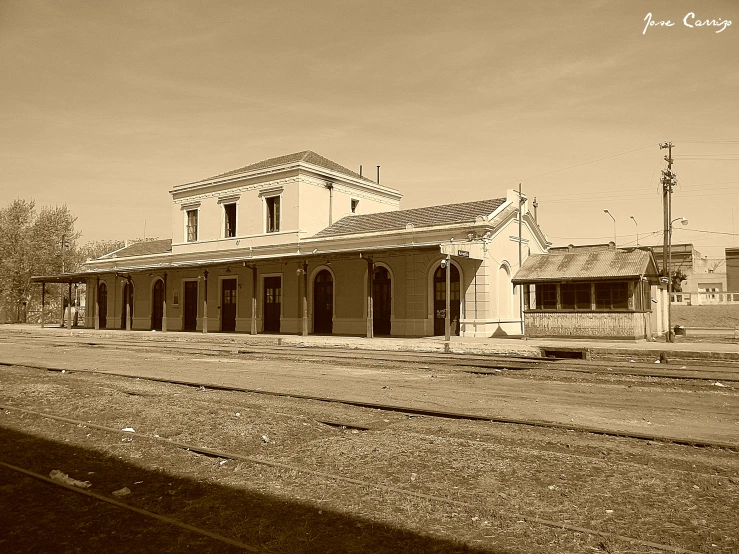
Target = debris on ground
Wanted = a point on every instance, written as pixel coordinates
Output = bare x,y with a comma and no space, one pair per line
265,439
718,384
125,491
128,430
414,476
62,477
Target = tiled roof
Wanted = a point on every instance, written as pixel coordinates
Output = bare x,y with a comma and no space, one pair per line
307,156
590,264
420,217
142,249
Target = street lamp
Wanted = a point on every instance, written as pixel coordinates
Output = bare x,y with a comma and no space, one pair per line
670,332
637,230
614,225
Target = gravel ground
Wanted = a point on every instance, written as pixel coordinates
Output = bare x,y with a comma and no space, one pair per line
481,480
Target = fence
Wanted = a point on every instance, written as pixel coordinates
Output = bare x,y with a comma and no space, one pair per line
704,298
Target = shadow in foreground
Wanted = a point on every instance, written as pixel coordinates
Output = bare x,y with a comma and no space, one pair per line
39,517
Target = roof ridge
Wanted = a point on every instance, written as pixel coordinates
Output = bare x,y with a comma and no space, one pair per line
301,156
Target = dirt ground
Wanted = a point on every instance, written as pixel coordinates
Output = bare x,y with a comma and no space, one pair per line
421,484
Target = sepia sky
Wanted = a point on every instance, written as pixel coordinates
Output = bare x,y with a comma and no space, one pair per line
105,106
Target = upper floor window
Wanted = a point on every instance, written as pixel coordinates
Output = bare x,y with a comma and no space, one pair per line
229,220
273,214
192,225
355,205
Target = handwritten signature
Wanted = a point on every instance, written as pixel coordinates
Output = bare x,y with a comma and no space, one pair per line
690,20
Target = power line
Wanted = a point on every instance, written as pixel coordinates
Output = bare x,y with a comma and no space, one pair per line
588,162
711,232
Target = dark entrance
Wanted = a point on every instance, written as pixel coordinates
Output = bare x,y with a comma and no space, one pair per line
323,303
127,298
103,305
272,303
382,301
190,322
157,301
228,305
440,300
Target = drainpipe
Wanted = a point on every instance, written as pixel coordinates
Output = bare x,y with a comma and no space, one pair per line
330,188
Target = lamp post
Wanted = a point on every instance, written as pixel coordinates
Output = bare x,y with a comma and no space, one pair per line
670,331
614,225
637,230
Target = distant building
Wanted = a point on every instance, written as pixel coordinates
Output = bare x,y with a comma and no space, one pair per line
703,274
732,269
594,291
300,244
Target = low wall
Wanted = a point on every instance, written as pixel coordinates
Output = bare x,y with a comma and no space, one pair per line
626,325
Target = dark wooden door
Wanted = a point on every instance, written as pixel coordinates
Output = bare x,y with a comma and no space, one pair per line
228,305
190,322
127,299
157,299
272,303
440,301
382,301
103,305
323,303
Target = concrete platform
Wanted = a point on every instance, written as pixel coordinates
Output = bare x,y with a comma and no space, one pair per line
517,347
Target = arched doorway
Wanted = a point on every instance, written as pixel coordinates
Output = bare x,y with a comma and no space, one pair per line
323,303
127,299
157,301
440,300
102,306
382,301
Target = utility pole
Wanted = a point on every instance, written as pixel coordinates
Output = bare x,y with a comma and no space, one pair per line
520,252
669,180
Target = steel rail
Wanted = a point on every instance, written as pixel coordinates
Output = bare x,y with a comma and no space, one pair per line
715,373
125,506
412,410
278,465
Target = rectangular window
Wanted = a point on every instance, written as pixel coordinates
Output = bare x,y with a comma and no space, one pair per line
192,225
575,296
355,204
546,296
229,218
273,214
612,296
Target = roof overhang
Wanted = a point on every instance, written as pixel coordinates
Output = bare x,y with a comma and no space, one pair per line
246,260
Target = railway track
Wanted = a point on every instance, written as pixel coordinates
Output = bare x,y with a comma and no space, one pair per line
349,481
413,410
470,363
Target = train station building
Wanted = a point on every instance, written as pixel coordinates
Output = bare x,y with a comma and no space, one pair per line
299,244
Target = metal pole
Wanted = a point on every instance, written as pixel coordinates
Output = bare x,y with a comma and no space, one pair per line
447,314
520,252
205,301
97,303
164,305
128,291
43,302
69,294
305,299
370,298
253,329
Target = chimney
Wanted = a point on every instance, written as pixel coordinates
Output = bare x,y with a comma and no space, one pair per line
378,174
360,170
